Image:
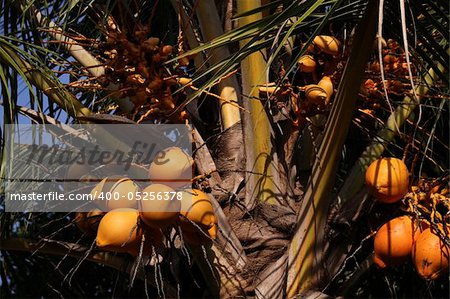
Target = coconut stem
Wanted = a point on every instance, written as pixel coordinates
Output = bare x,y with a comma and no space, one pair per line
211,27
260,184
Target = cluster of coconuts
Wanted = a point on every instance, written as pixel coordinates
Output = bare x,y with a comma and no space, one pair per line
404,237
135,226
320,93
394,60
135,64
396,71
310,95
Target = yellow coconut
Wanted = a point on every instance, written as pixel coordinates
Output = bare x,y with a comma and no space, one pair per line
115,193
159,206
119,230
197,211
327,44
307,64
198,222
315,94
173,167
327,85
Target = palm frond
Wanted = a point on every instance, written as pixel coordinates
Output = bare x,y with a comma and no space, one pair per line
304,261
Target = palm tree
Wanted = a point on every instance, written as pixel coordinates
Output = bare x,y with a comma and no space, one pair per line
284,170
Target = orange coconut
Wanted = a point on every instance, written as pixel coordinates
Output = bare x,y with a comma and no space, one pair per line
327,85
387,179
394,241
88,222
430,255
173,167
327,44
306,64
315,94
159,206
119,230
115,193
197,211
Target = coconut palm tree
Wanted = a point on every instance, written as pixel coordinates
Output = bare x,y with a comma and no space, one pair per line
281,154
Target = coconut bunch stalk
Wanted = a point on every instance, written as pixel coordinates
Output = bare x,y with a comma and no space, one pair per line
210,27
84,57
